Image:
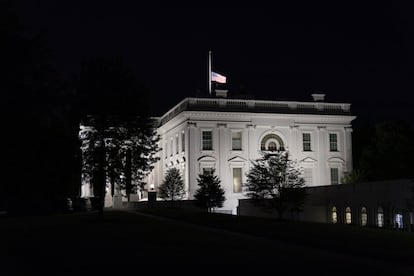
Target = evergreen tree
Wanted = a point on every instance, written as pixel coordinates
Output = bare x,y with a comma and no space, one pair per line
210,194
172,188
274,181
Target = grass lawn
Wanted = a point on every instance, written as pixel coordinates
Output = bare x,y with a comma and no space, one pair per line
125,243
383,244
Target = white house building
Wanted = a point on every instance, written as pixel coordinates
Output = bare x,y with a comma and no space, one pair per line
225,134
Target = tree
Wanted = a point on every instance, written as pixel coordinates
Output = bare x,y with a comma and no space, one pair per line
384,151
355,176
172,188
276,182
123,137
38,118
210,194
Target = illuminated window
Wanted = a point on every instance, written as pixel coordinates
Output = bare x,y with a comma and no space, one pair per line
236,140
182,141
380,217
334,216
364,216
272,146
306,137
348,216
399,221
333,142
207,140
334,176
237,180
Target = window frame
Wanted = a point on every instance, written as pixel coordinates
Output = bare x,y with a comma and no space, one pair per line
333,145
364,216
240,190
348,215
307,143
331,169
202,139
232,140
334,215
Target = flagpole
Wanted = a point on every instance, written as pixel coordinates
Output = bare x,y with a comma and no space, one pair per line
209,72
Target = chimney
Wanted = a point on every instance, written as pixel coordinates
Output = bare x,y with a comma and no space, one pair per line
318,97
221,93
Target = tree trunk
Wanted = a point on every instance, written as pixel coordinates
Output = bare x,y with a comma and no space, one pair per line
102,175
128,174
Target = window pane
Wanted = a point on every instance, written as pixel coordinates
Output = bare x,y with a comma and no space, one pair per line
348,216
236,140
237,180
306,141
380,217
333,142
334,215
207,143
272,146
334,176
364,216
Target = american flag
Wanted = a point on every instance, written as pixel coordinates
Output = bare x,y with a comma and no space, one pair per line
217,77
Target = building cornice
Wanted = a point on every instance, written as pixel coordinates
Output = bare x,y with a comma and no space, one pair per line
242,106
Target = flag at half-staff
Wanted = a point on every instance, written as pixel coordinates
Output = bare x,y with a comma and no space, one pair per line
217,77
213,76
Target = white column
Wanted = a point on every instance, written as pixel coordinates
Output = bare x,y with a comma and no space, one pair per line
251,143
348,149
222,153
193,148
322,178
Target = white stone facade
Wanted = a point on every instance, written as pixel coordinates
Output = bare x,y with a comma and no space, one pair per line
225,134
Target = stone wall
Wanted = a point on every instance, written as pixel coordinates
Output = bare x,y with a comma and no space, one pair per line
393,196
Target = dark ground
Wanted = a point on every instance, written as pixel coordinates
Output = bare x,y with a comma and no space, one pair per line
130,243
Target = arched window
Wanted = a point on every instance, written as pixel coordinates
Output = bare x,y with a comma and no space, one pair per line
272,146
348,216
399,222
380,217
272,142
334,215
364,216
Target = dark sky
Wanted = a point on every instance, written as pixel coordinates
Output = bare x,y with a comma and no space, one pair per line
356,53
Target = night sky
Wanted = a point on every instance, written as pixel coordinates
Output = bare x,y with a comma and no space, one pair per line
357,53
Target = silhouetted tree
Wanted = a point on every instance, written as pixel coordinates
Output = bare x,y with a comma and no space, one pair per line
353,177
38,111
172,188
210,194
141,144
276,182
117,109
384,151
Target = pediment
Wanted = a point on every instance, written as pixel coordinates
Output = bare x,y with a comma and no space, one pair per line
237,159
336,160
308,160
206,158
